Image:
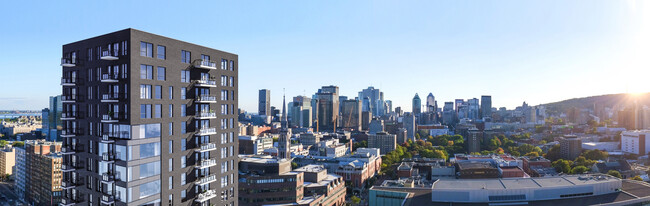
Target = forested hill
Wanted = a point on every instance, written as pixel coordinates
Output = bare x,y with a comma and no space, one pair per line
607,100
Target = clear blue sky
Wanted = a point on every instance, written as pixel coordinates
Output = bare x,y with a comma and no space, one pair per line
534,51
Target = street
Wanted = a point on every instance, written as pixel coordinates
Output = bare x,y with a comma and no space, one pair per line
7,195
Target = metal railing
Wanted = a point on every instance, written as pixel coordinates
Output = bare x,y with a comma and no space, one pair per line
205,63
206,131
206,98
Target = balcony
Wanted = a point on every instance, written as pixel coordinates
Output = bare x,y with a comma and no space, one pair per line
69,81
110,77
206,147
109,55
71,115
206,99
205,64
70,200
207,131
108,199
206,195
112,97
71,149
108,177
206,163
109,137
67,168
206,115
207,180
68,183
108,157
68,62
205,83
71,132
113,117
71,98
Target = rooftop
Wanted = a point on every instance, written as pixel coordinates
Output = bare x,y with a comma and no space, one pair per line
310,168
520,183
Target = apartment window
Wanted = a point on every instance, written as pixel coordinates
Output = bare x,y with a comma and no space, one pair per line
171,182
171,92
224,94
171,164
185,56
171,129
183,93
171,200
161,74
183,159
158,92
146,49
183,144
223,80
183,110
161,52
183,194
151,188
145,111
231,82
183,176
171,110
146,71
185,76
149,169
232,65
145,91
224,64
183,128
158,111
124,48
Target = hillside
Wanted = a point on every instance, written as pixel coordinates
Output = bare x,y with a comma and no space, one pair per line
608,100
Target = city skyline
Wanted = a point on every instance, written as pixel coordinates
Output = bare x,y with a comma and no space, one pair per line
515,51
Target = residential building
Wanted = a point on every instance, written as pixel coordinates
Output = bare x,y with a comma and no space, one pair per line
383,141
254,144
149,120
310,138
7,160
474,138
570,147
635,142
21,172
42,178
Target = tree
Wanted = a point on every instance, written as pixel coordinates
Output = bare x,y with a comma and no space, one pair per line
595,154
527,148
582,161
18,144
563,166
579,170
614,173
355,200
637,178
553,153
3,143
294,165
532,154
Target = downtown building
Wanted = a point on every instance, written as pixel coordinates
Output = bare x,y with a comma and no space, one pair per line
38,172
148,120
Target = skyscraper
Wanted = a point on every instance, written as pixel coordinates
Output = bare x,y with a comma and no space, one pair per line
351,114
328,108
301,111
486,106
417,104
431,103
375,99
448,113
55,114
157,122
409,125
264,102
473,108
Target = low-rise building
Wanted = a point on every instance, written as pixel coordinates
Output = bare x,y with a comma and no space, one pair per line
7,160
254,144
476,170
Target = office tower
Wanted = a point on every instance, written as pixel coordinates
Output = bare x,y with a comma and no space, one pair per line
264,102
398,111
409,125
301,111
328,108
458,103
474,137
417,105
389,106
431,103
284,141
42,178
351,114
366,117
45,126
473,108
54,122
570,147
448,113
156,125
375,100
486,106
19,177
376,126
383,141
7,160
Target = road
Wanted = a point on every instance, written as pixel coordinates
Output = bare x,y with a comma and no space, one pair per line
6,189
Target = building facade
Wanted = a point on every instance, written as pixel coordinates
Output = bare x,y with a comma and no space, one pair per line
383,141
148,120
264,102
635,142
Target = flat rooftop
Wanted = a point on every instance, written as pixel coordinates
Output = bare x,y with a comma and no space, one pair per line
520,183
310,168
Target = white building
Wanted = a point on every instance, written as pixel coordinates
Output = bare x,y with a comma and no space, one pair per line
368,152
603,146
522,190
635,142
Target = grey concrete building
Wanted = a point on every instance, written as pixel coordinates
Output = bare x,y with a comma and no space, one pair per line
383,141
264,102
486,106
148,120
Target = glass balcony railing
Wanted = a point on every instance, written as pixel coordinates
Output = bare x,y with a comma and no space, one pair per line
109,55
71,98
207,179
206,131
68,62
70,81
206,115
206,83
206,98
205,64
113,117
112,97
207,147
206,163
206,195
71,115
110,77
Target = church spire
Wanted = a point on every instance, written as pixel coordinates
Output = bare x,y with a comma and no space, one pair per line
283,122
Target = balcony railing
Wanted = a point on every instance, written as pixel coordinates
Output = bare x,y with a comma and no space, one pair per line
206,115
71,132
109,55
108,199
72,148
112,97
207,179
115,135
110,77
206,195
68,62
205,64
70,98
71,115
205,83
113,117
108,157
206,147
67,183
206,99
69,81
207,131
206,163
108,177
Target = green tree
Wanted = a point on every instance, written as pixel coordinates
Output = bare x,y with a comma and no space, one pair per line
595,154
579,170
294,165
527,148
355,200
563,166
18,144
3,143
553,153
637,178
614,173
532,154
582,161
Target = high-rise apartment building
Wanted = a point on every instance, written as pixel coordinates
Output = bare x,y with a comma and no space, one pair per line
41,182
20,176
148,120
486,106
570,147
54,122
635,142
264,102
383,141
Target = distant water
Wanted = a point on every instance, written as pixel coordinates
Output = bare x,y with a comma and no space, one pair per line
9,116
